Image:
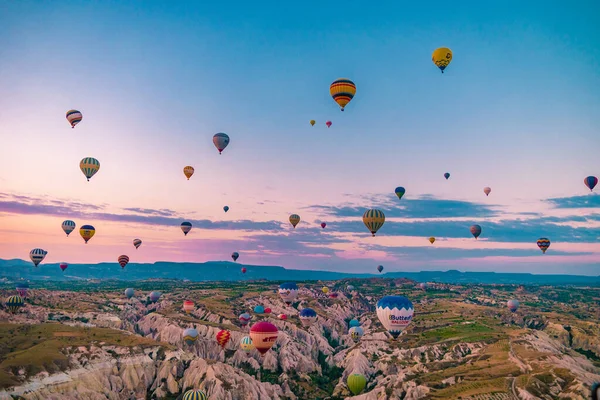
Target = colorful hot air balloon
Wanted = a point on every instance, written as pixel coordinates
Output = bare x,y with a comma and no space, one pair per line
288,292
447,175
123,260
226,208
129,293
188,171
323,225
220,140
13,303
475,231
373,220
400,191
294,219
223,337
259,309
186,227
74,117
325,289
194,395
380,268
235,255
543,244
356,383
89,166
137,243
591,182
342,91
307,316
267,310
282,317
328,123
513,305
188,306
63,266
441,57
245,319
37,256
487,190
356,333
432,240
243,270
263,335
68,226
87,232
22,289
423,285
353,322
246,344
333,295
154,296
312,122
395,313
190,335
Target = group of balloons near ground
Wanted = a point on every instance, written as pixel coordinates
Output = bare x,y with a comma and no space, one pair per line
394,312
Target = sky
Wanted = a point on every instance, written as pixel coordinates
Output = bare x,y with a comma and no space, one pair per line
516,110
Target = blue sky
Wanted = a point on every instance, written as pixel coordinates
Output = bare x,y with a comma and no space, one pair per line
517,110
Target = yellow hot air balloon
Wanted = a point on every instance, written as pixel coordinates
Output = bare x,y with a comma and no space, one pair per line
431,240
312,122
188,171
342,90
89,166
294,219
325,289
373,220
356,383
87,232
441,57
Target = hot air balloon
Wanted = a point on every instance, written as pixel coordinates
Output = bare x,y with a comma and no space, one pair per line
432,240
447,175
246,344
37,256
353,322
441,57
226,208
129,293
89,166
288,292
342,91
333,295
123,260
87,232
188,306
220,140
294,219
307,316
186,227
356,333
154,296
328,123
188,171
487,190
312,122
74,117
235,255
325,289
223,337
13,303
22,289
373,220
512,305
63,266
543,244
400,191
190,335
423,285
323,225
259,310
263,335
350,288
245,319
395,313
475,231
243,270
380,268
591,182
68,226
356,383
194,395
282,317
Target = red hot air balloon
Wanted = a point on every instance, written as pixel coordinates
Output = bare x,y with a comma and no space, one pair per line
63,266
123,261
323,225
333,295
282,317
223,337
267,310
188,306
243,270
328,123
263,335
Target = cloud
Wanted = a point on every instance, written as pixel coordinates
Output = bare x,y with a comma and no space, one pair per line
162,212
587,201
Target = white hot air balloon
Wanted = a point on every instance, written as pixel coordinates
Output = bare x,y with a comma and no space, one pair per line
395,313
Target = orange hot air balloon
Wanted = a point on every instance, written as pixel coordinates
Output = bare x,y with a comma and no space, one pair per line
263,335
188,306
223,337
188,171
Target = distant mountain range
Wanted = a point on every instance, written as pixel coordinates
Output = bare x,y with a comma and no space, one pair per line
228,271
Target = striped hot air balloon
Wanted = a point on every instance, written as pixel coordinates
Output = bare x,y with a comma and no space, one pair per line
137,243
188,171
263,335
186,227
87,232
123,260
37,256
591,182
543,244
188,306
220,140
190,335
294,220
14,303
373,220
342,91
68,226
74,117
89,166
307,316
194,395
246,344
395,313
223,337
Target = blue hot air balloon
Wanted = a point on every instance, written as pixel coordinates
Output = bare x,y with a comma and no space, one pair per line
354,322
307,316
395,313
400,191
259,310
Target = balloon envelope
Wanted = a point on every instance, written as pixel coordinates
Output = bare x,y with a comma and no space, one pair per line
68,226
63,266
235,255
37,256
137,243
432,240
14,303
188,306
186,227
400,191
259,310
223,337
487,190
307,316
288,292
190,335
188,171
475,230
220,140
328,123
154,296
323,225
380,268
373,220
87,232
354,322
543,244
356,383
446,175
89,166
246,344
356,332
194,395
395,313
123,260
263,335
245,319
294,219
129,293
312,122
226,208
442,57
74,117
512,305
342,91
591,182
